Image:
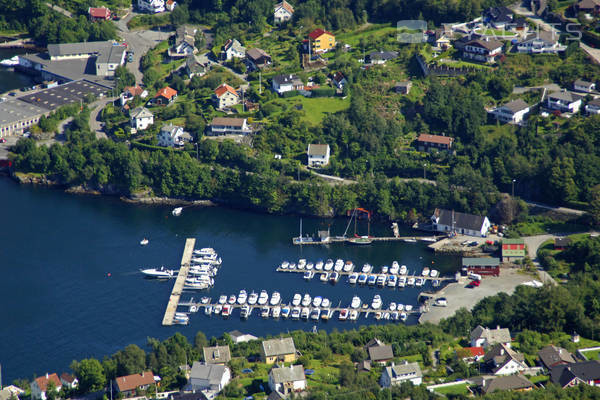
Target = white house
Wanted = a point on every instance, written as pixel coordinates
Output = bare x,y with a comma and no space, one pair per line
141,118
540,42
151,6
69,380
318,155
504,361
225,96
232,49
339,80
465,224
512,112
485,337
584,86
593,107
172,135
482,50
229,126
130,92
213,377
286,380
564,101
185,42
286,83
239,337
398,374
40,385
283,12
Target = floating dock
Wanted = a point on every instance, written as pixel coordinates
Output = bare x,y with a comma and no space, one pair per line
341,239
345,273
179,282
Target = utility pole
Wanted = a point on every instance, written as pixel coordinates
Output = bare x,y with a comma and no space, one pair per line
513,187
197,158
424,173
260,82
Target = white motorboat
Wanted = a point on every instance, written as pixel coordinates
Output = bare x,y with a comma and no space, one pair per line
353,278
419,282
378,315
403,270
264,312
296,313
10,62
308,275
177,211
317,300
181,320
310,266
425,271
431,239
284,265
245,311
275,299
217,309
144,242
334,277
392,281
339,265
222,299
242,297
403,316
376,303
328,265
367,268
356,302
395,316
306,300
263,298
411,281
400,307
301,263
253,298
205,251
325,303
385,269
381,280
232,299
324,276
353,315
348,266
292,266
198,281
408,307
402,281
362,279
208,310
205,300
297,299
434,273
395,268
411,240
276,312
305,313
158,273
343,314
436,283
326,314
195,286
371,280
315,314
285,312
226,310
319,265
392,306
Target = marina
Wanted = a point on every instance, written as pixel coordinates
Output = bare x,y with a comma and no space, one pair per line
171,310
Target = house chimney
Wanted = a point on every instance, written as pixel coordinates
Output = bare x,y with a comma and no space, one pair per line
46,375
502,351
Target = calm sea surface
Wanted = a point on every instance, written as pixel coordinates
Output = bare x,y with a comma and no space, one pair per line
10,80
58,303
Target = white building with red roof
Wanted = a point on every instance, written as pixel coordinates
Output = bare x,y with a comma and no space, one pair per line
39,386
130,383
225,96
283,12
99,13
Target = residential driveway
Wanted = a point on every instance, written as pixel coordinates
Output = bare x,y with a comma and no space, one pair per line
593,53
551,87
95,124
562,210
534,242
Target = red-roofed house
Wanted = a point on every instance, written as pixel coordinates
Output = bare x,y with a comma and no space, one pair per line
321,40
283,12
69,380
130,383
225,96
165,96
472,354
99,13
429,143
40,385
170,5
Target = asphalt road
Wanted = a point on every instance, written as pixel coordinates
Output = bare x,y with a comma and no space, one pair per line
95,124
10,141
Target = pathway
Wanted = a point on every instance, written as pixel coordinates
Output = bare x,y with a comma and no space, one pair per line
562,210
593,53
95,123
60,10
552,87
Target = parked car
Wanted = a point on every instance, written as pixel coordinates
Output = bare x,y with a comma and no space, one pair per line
473,243
441,302
474,284
2,140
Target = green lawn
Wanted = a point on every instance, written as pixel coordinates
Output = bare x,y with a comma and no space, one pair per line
376,30
461,389
591,354
539,378
492,133
538,226
316,108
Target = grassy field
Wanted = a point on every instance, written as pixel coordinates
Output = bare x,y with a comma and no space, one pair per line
492,133
376,31
592,354
316,108
455,390
540,225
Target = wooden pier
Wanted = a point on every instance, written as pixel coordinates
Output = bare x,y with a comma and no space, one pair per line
179,282
345,273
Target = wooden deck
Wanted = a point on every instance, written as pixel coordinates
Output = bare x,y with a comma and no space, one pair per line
179,282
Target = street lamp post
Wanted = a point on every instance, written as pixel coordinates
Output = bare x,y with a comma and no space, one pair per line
424,173
513,187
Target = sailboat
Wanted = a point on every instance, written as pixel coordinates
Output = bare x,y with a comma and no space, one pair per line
302,239
359,240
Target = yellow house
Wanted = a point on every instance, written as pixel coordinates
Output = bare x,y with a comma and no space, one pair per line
321,41
278,350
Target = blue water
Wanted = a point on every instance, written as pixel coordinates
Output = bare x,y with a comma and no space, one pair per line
9,79
57,302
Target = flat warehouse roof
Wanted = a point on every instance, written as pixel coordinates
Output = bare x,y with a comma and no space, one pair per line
14,110
68,93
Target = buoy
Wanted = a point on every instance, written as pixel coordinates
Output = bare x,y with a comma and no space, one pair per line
109,274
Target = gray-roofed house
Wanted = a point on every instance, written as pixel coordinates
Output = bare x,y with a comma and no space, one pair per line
6,394
593,107
216,355
552,356
213,377
108,55
240,337
197,65
584,86
282,12
109,59
229,126
461,223
258,58
513,112
540,42
381,57
502,360
398,374
485,337
379,352
588,6
498,17
232,49
173,136
487,51
141,118
318,155
512,382
278,350
286,380
587,372
564,101
185,42
403,87
286,82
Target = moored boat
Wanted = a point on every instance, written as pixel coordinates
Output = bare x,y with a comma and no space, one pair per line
297,299
334,277
371,280
356,302
263,298
328,265
242,297
324,276
392,281
296,313
308,275
304,314
381,279
285,312
144,242
275,299
362,279
353,278
348,266
315,314
177,211
376,303
403,270
343,314
317,301
253,298
367,268
306,300
425,271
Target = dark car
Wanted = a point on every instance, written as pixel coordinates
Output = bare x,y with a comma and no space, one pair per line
2,140
473,243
